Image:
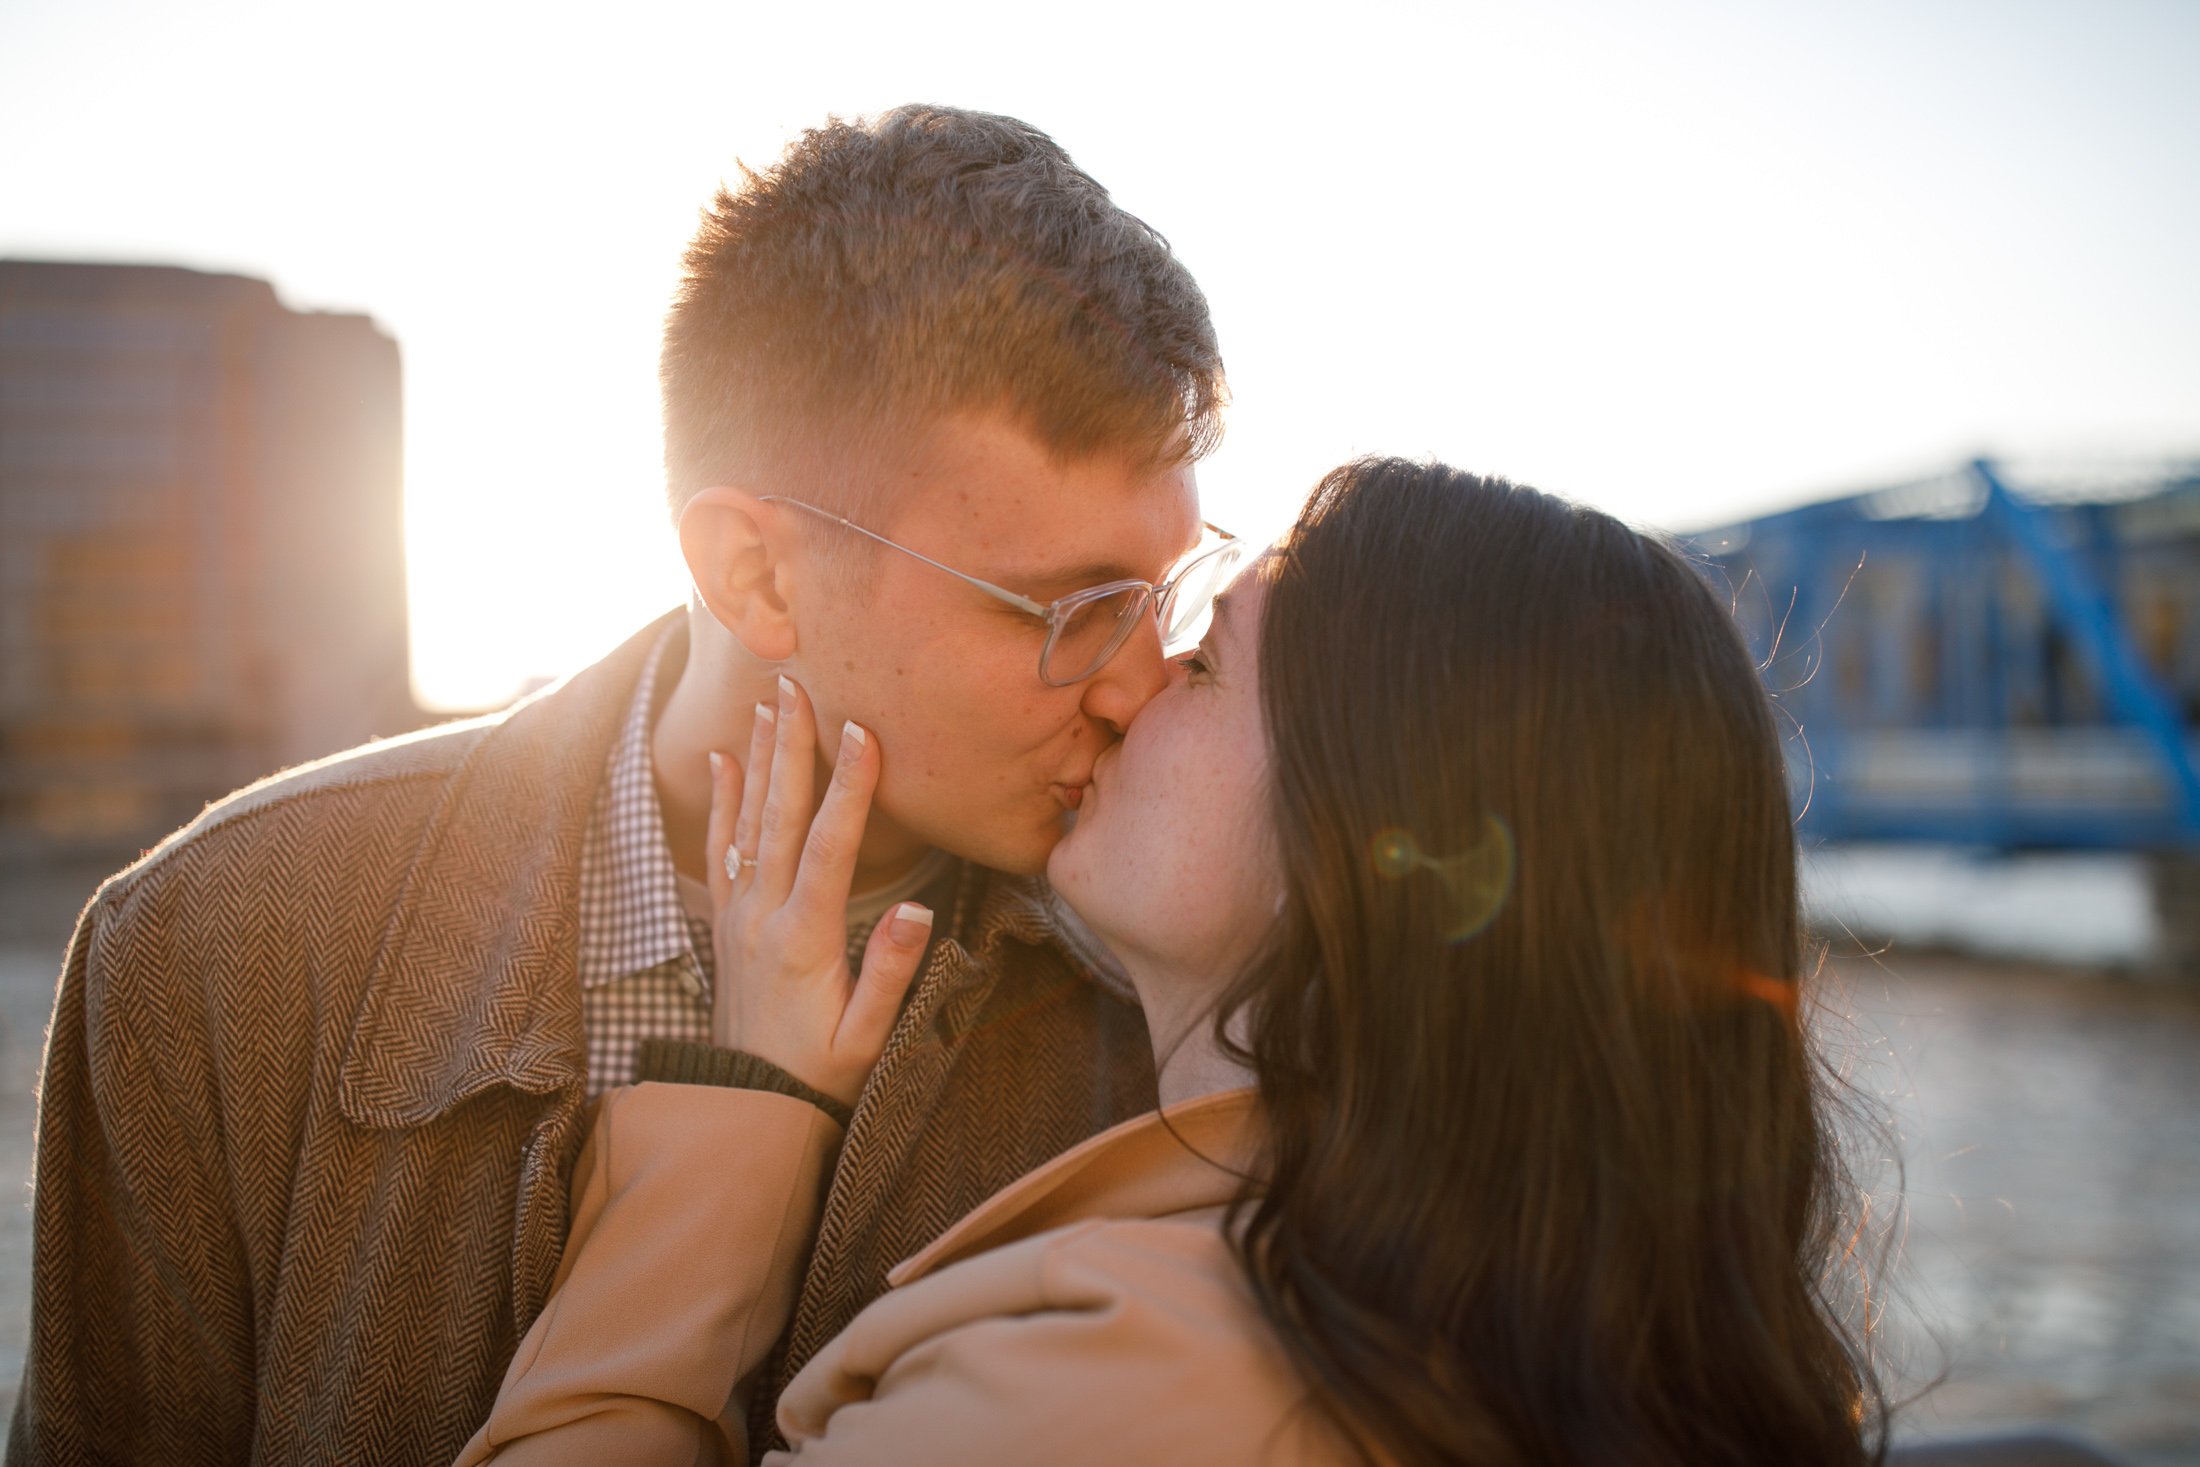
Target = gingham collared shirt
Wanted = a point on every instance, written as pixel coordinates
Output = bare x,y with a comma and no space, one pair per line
645,964
645,959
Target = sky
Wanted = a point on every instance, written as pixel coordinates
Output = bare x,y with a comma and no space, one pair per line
1685,261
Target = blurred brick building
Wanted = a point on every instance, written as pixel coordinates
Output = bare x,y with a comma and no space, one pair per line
201,552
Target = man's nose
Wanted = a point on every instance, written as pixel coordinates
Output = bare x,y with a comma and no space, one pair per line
1129,679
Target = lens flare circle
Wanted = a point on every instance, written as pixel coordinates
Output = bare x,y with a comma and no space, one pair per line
1478,879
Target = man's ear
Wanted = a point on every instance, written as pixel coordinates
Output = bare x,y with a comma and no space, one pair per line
735,547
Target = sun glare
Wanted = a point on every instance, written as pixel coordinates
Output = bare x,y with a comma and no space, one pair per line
535,538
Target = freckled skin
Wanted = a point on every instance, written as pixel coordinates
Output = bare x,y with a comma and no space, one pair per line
974,746
1172,858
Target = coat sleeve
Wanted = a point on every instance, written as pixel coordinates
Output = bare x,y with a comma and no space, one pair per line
693,1210
141,1343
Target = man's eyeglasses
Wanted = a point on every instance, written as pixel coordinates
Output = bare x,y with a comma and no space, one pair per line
1086,628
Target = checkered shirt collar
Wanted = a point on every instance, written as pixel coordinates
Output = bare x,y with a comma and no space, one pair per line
630,913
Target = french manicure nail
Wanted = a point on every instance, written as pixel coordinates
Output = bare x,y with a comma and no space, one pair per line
912,923
852,733
786,692
717,765
766,714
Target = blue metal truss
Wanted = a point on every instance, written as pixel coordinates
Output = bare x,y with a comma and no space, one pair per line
1959,665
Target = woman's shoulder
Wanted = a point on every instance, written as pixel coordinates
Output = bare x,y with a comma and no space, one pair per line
1132,1339
1182,1265
1142,1287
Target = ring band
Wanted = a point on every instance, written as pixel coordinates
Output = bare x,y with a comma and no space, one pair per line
736,863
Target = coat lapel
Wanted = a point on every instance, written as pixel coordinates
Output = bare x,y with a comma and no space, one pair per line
1198,1153
1005,968
994,913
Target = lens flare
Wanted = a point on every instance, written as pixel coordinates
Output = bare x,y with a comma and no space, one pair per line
1479,878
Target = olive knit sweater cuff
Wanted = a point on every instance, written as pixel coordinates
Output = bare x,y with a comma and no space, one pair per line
677,1062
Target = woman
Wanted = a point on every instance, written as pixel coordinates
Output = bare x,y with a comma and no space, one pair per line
1455,875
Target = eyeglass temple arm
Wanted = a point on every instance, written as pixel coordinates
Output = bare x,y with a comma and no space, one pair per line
1022,603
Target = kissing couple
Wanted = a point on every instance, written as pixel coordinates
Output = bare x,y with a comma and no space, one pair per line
1008,973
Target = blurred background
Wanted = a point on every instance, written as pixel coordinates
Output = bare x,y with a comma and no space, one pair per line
327,409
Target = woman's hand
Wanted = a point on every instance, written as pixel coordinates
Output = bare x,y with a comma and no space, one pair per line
783,991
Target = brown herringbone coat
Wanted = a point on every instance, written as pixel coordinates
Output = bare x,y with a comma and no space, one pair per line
314,1087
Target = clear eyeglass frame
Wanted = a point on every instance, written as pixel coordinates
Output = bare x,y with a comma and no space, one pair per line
1087,627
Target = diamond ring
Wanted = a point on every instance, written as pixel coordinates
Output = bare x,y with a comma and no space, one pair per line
736,863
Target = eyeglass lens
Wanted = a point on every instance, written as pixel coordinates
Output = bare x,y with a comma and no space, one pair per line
1089,634
1190,604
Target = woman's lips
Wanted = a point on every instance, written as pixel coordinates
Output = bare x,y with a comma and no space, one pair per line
1071,795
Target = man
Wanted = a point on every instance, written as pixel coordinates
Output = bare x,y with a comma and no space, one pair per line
319,1063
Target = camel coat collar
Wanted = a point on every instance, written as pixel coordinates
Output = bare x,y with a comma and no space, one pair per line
1194,1155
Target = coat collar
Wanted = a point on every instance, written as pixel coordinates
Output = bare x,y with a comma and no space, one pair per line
474,984
1193,1155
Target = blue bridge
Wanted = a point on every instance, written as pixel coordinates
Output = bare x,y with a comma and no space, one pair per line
1985,658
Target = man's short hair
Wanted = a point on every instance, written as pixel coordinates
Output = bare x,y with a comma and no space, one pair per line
885,274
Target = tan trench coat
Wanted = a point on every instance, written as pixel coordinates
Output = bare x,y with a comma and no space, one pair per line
313,1091
1091,1312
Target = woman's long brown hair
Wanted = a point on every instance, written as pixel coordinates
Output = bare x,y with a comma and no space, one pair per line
1550,1179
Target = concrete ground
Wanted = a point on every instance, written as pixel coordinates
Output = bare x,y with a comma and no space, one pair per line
2047,1120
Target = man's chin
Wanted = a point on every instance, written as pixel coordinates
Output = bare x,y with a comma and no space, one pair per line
1018,853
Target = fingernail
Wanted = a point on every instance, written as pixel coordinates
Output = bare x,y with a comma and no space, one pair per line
717,765
766,714
852,739
912,923
786,692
